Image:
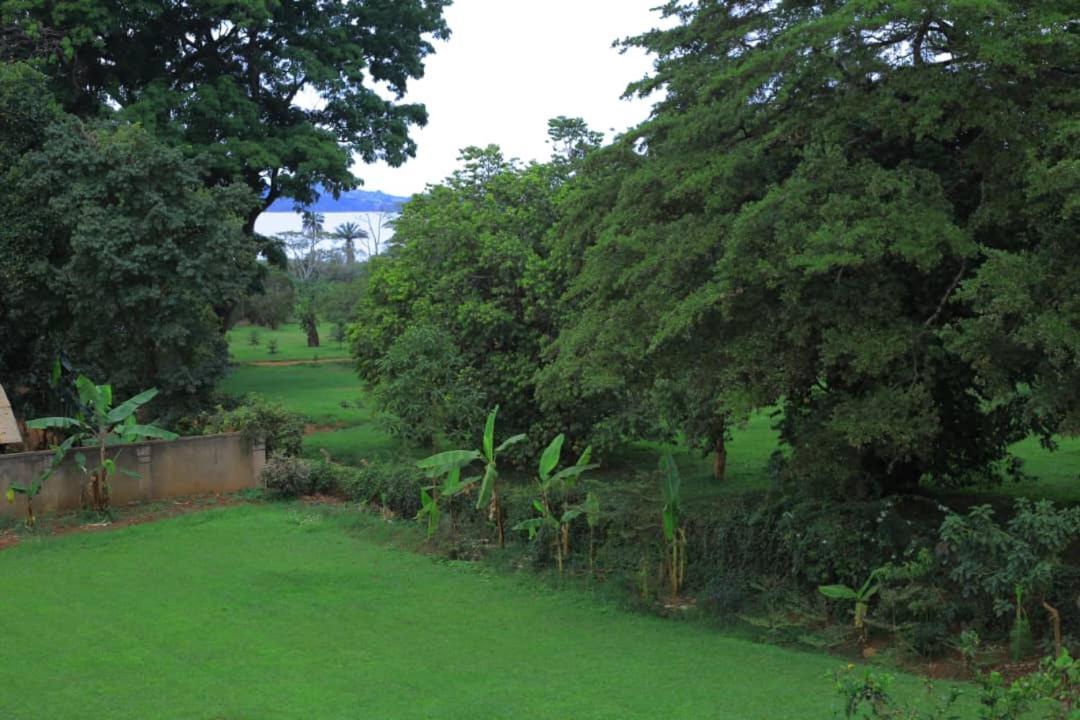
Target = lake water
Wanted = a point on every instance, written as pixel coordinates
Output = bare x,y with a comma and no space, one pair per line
272,223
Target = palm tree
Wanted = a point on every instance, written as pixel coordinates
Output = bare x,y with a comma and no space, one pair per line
312,222
350,232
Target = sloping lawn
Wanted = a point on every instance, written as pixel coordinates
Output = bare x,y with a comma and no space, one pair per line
327,393
282,611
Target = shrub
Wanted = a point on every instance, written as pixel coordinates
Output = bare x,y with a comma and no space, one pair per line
393,484
426,388
286,476
272,304
257,419
1053,692
327,478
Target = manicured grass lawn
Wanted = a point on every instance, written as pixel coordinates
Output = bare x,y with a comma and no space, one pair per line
291,340
281,611
1057,473
326,394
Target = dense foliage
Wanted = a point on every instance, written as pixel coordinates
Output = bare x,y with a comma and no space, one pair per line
119,269
858,214
139,142
853,210
219,79
468,257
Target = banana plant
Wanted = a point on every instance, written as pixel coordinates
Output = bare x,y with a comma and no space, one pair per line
451,463
861,598
431,495
559,520
102,425
674,534
32,490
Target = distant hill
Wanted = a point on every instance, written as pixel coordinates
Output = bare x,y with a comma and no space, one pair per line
351,201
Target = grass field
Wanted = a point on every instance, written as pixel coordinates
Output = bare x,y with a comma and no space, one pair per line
291,344
326,394
285,611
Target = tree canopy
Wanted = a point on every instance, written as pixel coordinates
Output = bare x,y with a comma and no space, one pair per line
115,252
469,257
855,211
221,80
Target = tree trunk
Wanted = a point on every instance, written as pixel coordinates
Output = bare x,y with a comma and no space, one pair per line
1055,623
719,457
350,253
312,335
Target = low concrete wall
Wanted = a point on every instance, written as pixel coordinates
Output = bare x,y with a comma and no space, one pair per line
166,469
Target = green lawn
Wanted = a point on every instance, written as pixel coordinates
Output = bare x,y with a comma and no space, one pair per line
326,394
291,340
284,611
1057,473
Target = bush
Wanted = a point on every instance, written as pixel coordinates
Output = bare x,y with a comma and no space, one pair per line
256,419
287,477
426,388
395,485
272,305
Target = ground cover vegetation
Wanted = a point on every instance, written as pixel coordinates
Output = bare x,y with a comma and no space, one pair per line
783,357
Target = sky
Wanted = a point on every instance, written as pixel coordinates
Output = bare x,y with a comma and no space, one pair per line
508,67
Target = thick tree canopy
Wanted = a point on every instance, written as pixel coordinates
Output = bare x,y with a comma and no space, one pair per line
469,258
863,212
114,253
219,79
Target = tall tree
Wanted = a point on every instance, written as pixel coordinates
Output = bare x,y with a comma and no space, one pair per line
349,233
222,80
114,252
377,223
820,215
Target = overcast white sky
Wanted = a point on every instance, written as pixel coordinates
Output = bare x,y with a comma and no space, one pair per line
509,66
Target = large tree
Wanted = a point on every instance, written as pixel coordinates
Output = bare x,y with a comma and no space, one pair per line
825,213
222,80
114,253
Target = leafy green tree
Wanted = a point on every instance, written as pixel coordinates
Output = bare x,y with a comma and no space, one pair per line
102,424
428,390
115,253
820,215
273,304
220,80
468,256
